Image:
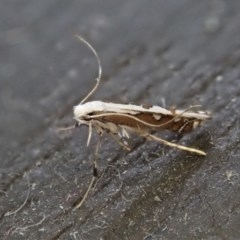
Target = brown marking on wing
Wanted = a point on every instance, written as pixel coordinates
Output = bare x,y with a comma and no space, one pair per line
168,122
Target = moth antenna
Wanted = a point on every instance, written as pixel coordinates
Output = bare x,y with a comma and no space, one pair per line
99,67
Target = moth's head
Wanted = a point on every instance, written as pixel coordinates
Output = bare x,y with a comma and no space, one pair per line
80,111
83,111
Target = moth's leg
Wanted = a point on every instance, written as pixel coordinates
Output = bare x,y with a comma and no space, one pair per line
77,124
151,137
94,177
121,141
89,133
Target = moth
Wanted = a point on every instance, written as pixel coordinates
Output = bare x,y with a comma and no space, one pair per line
119,120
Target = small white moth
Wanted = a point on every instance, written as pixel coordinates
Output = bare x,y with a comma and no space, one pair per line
120,119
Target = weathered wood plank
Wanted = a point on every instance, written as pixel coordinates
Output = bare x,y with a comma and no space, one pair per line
184,52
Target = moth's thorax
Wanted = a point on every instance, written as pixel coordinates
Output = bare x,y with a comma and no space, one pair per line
85,109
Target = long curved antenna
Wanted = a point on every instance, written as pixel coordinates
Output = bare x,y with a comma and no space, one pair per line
99,68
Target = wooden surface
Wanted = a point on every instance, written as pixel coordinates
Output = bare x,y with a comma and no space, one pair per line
182,53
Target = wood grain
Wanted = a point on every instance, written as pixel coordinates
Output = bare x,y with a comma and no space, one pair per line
180,53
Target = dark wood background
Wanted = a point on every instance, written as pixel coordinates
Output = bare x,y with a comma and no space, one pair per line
182,53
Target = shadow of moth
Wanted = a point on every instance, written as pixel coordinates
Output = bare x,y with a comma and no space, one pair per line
119,120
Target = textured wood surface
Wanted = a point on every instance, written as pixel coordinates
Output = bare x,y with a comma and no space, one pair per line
179,53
